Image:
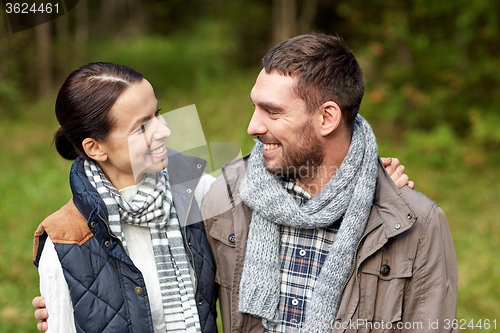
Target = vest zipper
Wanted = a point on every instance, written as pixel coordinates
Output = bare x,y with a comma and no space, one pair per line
109,232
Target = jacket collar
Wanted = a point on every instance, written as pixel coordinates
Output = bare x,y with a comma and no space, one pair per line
390,215
233,173
89,203
184,174
390,206
85,196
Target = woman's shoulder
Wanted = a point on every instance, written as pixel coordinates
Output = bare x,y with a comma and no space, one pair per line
67,225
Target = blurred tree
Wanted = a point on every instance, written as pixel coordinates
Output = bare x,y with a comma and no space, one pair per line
81,32
3,64
43,60
137,16
284,20
427,63
287,23
118,18
170,16
3,45
62,39
108,16
307,16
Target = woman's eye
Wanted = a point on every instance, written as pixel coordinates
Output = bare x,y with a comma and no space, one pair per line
140,129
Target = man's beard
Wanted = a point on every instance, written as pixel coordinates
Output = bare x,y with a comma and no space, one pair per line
303,160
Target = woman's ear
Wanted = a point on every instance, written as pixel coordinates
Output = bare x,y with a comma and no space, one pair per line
94,150
331,117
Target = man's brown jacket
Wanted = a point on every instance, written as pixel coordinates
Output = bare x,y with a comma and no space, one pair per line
404,278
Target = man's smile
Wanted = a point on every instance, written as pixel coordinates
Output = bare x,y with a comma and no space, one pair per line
270,148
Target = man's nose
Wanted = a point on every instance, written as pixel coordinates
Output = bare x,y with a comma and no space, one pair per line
257,125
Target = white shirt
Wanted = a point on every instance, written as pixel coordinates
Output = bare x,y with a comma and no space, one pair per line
54,288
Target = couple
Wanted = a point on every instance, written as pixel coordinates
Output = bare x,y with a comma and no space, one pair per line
308,232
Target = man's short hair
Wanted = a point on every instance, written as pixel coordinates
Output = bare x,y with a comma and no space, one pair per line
326,70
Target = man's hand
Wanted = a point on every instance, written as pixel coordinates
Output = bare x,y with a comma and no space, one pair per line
41,313
397,172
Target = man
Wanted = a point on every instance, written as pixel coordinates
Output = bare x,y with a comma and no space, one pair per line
309,232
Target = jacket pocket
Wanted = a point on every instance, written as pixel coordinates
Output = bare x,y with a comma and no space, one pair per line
222,232
382,284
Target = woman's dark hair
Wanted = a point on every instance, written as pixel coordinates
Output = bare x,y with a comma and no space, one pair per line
83,104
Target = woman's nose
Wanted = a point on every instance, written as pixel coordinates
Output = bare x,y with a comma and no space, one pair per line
160,128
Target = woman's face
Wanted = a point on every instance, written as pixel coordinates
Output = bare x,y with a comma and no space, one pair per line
136,144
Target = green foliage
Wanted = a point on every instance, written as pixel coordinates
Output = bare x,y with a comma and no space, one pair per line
192,69
440,58
485,129
14,73
433,83
438,149
176,64
34,183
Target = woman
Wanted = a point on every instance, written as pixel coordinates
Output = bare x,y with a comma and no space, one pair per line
128,253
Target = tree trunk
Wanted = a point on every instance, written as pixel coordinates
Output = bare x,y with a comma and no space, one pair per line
108,17
44,55
136,13
307,16
81,32
284,13
63,55
3,47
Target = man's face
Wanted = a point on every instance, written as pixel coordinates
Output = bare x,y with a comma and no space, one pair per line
282,123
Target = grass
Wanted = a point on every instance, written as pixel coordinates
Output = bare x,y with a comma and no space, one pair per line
33,183
460,176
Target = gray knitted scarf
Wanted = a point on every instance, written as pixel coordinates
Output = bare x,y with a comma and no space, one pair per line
348,194
152,207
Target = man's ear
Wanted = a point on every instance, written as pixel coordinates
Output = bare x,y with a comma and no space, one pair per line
331,116
94,150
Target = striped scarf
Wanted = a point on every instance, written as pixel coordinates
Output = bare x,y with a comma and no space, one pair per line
153,208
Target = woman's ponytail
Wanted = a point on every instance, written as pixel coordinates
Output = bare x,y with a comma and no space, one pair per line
63,146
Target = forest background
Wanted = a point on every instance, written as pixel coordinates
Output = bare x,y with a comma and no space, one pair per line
432,97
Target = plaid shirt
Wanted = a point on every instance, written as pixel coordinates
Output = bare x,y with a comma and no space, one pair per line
302,254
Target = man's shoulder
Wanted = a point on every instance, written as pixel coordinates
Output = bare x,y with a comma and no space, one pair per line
224,192
404,208
419,202
229,181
